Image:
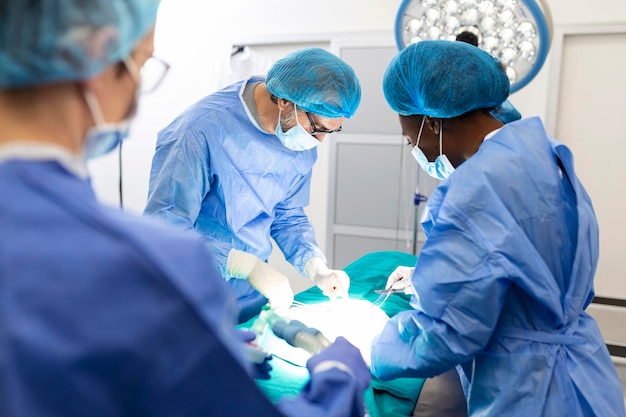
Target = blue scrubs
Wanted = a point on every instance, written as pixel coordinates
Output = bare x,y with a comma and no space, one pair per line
503,281
216,171
106,314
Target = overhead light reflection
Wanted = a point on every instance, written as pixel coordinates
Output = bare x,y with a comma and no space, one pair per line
516,31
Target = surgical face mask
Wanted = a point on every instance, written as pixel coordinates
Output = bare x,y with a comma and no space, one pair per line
441,168
104,137
296,138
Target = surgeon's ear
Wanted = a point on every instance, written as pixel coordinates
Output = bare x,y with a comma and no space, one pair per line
433,124
283,104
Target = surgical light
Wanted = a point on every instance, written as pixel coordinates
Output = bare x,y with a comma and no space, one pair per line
517,32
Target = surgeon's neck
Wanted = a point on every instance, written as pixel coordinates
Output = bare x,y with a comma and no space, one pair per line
469,131
49,114
267,109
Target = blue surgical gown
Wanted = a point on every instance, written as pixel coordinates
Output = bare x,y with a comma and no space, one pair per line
106,314
503,281
216,171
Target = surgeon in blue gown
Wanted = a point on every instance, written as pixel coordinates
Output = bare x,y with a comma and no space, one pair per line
103,313
504,277
236,167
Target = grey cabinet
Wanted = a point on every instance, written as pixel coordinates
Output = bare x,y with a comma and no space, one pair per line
372,174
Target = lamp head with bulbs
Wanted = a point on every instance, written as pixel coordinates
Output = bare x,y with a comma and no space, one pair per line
517,32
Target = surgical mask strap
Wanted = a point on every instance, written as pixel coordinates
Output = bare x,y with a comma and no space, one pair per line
94,107
440,137
419,135
295,108
133,70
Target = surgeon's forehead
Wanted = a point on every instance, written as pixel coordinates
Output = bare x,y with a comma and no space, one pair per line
409,124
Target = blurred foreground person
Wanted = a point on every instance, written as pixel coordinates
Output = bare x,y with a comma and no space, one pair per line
105,313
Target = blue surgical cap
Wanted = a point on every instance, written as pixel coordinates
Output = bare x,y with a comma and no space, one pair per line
444,79
317,81
47,41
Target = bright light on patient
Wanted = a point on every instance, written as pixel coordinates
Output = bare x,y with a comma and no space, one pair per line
356,320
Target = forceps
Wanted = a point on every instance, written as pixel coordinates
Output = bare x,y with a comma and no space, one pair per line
384,296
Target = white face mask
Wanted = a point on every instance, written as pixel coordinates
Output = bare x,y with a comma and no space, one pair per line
441,168
296,138
104,137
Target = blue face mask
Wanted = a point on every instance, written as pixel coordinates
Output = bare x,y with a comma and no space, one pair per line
441,168
296,138
104,137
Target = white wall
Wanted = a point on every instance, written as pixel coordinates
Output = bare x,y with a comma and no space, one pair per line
195,36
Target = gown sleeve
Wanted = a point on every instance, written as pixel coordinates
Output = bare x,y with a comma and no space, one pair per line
180,179
461,287
292,230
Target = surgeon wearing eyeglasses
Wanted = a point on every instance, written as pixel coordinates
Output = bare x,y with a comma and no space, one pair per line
236,167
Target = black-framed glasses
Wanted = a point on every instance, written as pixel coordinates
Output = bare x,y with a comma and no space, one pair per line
152,74
317,131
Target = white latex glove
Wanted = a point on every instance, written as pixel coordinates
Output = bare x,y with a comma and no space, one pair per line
400,279
265,279
333,283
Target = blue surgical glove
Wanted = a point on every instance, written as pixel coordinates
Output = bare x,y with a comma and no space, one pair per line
255,355
344,356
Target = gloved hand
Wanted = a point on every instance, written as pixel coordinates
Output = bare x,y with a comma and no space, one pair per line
400,279
255,355
267,280
344,356
333,283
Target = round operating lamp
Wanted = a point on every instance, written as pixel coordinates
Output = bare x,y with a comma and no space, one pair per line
517,32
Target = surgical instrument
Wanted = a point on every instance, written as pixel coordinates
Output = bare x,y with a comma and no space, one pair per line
384,295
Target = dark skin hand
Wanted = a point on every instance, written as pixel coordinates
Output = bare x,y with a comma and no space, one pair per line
461,135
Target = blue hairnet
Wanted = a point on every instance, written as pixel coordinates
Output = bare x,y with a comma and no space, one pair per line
46,41
317,81
444,79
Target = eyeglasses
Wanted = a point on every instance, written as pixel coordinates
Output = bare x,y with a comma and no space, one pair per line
317,131
152,74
